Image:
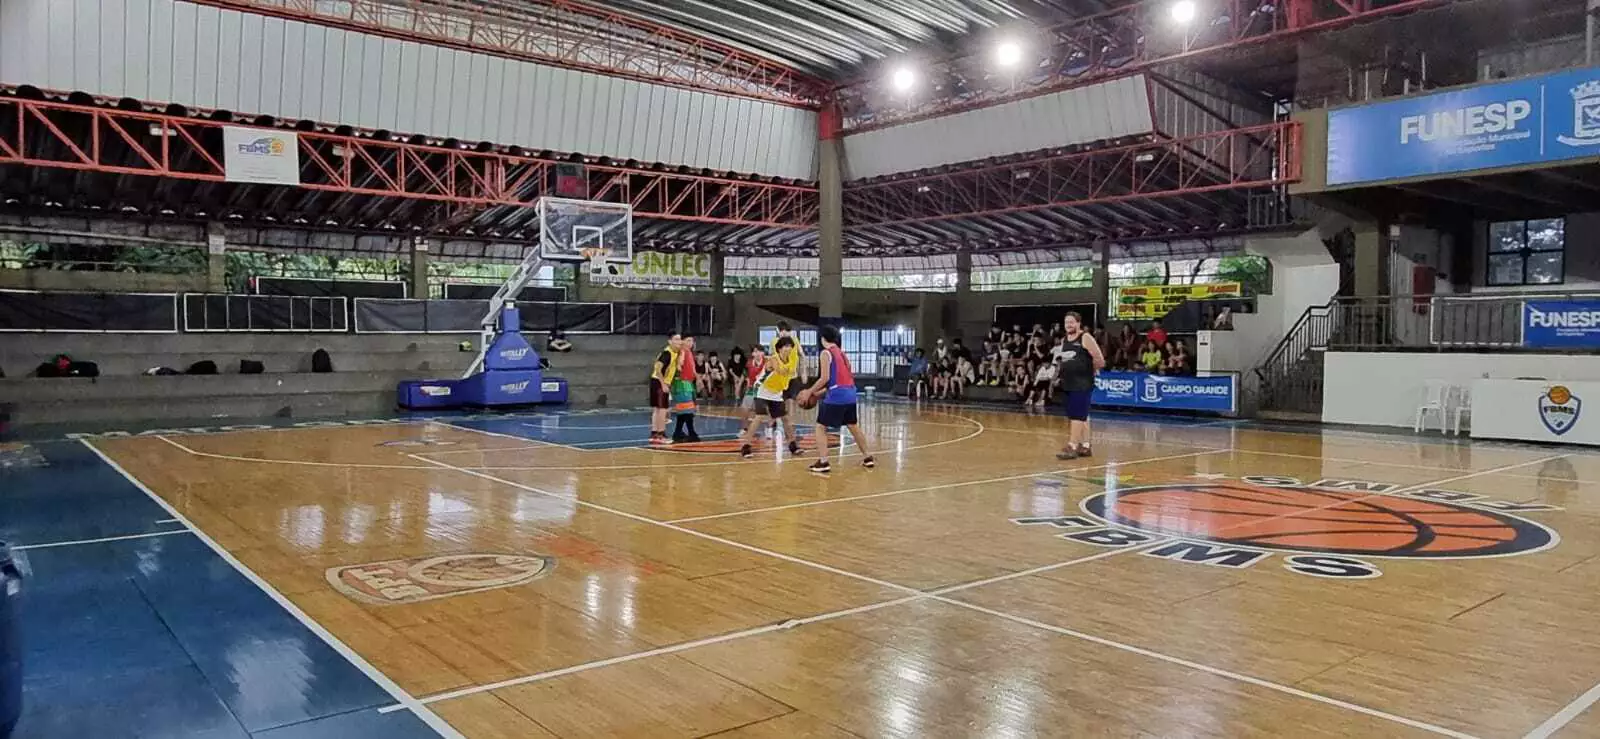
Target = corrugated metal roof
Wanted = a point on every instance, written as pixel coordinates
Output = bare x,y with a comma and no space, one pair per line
830,38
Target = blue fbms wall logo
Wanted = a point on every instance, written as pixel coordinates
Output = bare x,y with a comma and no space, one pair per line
1559,408
1561,324
1140,390
1513,123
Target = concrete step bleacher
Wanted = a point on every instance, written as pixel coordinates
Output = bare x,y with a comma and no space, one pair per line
601,369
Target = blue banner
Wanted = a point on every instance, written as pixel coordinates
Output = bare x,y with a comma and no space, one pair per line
1561,324
1512,123
1139,390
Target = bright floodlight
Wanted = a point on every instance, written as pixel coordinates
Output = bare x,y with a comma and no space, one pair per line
903,79
1008,54
1183,11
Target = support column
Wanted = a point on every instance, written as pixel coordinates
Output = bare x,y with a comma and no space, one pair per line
1369,259
830,226
721,302
1100,283
216,258
419,268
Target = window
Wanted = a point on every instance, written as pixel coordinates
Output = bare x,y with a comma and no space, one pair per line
1527,252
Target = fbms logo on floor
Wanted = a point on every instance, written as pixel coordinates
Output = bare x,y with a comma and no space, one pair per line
1328,528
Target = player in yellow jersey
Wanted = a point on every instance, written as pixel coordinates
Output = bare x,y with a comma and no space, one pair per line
769,402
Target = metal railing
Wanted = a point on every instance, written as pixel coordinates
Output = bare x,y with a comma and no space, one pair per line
1291,376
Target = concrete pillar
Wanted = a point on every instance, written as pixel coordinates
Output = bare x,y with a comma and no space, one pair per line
1100,282
1370,259
216,258
721,302
419,268
830,226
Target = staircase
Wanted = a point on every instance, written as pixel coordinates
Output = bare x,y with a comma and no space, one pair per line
1290,378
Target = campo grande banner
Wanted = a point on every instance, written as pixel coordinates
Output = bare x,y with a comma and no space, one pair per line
1155,301
661,268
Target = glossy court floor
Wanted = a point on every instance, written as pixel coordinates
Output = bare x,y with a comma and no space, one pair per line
544,575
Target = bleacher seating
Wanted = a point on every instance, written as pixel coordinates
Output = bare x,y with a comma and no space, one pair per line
607,369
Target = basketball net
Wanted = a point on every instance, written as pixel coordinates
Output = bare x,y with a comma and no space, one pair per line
596,259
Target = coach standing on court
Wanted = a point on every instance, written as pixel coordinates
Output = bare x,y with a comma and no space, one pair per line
1080,359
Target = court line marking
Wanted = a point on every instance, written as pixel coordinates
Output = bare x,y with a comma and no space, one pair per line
720,638
1239,450
1018,619
664,467
54,544
405,699
168,520
945,486
1561,718
1219,672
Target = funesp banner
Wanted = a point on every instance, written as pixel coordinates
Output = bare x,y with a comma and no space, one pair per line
1517,122
1568,324
662,268
1142,390
260,156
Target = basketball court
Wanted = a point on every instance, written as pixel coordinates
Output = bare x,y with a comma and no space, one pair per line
548,575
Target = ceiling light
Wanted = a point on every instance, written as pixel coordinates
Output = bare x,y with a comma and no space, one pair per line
903,79
1008,53
1183,11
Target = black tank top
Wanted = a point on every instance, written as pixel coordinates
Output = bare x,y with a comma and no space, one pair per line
1077,366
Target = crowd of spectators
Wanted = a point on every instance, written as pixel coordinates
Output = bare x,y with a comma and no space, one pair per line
1025,362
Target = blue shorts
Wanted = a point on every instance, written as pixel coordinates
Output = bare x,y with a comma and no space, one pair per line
1078,404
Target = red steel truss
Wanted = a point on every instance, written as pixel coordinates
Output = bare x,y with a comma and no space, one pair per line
120,142
1115,43
564,33
1228,160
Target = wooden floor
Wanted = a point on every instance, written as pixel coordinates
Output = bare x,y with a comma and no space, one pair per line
1256,584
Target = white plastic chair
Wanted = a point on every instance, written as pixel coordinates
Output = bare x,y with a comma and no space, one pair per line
1435,400
1461,405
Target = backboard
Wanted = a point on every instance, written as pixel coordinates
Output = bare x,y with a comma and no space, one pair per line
568,228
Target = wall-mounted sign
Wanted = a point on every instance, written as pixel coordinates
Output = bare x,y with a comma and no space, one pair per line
661,268
1155,301
1518,122
260,156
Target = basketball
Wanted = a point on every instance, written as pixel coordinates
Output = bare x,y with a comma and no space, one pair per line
806,399
1299,518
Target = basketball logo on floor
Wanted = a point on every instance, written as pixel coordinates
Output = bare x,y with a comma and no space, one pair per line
1558,409
429,578
1327,528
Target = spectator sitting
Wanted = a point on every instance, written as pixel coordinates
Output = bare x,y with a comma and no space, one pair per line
702,379
1020,382
1043,380
1183,359
736,371
963,376
1157,334
1150,359
1224,320
917,378
1172,364
719,375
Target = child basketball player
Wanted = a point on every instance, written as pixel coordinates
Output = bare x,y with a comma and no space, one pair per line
662,373
838,407
769,401
683,392
754,367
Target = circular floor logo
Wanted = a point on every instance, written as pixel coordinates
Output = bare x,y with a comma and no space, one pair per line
428,578
1308,519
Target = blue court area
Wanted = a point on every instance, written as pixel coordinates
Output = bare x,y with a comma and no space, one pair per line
152,633
614,430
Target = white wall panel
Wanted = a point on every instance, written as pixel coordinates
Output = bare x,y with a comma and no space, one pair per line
1104,111
1189,103
171,51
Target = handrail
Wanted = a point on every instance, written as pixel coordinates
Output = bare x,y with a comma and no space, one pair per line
1282,347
